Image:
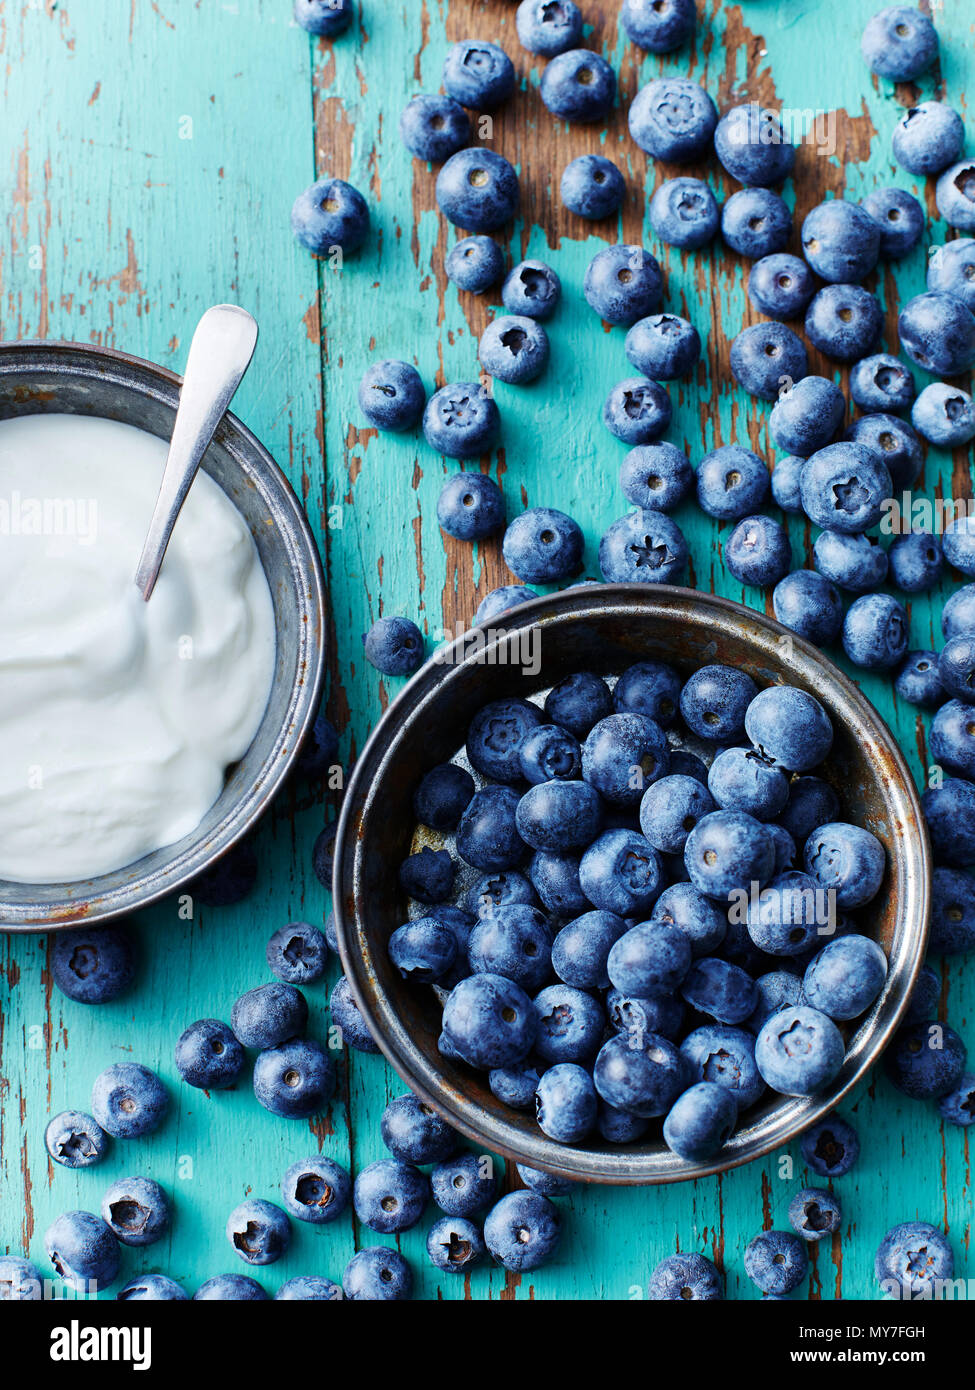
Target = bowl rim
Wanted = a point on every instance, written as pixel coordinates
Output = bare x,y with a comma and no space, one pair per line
792,1115
283,502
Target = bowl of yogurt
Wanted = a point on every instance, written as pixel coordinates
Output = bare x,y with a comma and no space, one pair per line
138,740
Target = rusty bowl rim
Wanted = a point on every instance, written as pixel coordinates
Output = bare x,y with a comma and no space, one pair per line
248,453
789,1117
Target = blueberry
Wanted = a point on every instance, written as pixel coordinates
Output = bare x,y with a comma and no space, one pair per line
643,547
684,212
958,614
785,483
347,1018
913,1259
514,349
958,543
325,18
775,990
522,1231
954,194
780,286
549,753
776,1261
565,1103
377,1274
494,736
714,700
785,848
490,1021
726,1056
581,949
555,878
621,873
578,702
799,1051
918,683
330,215
487,836
592,187
758,552
900,218
807,415
937,332
475,264
309,1287
686,1277
208,1055
844,322
543,545
548,28
732,482
952,735
470,506
719,989
455,1245
514,1086
875,632
658,26
673,119
427,876
830,1147
899,43
951,270
789,726
391,395
752,146
664,347
152,1288
545,1184
845,977
945,415
651,689
952,913
515,942
532,289
268,1015
570,1024
700,1122
622,755
915,561
756,222
93,965
637,411
727,851
927,138
846,860
464,1184
649,961
745,779
319,752
317,1189
896,442
688,764
423,950
297,954
840,240
844,486
958,1106
766,358
477,189
478,74
578,85
75,1140
855,563
787,915
640,1075
128,1100
670,809
434,128
623,283
635,1018
949,811
390,1196
810,605
701,920
925,1060
83,1251
881,384
502,600
239,1288
443,795
259,1231
136,1210
295,1079
394,646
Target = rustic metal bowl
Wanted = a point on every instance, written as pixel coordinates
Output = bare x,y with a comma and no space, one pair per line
605,628
79,379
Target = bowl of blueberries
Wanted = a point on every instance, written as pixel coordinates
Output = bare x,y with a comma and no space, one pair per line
633,886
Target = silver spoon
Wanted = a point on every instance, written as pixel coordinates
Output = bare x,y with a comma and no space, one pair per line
219,355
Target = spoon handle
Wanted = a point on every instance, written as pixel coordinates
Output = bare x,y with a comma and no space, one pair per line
219,355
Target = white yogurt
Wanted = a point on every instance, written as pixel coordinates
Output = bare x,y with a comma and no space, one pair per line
118,718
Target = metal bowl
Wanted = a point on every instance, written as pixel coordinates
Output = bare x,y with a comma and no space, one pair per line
79,379
605,628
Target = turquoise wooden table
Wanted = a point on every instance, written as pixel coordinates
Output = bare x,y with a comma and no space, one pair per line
154,148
